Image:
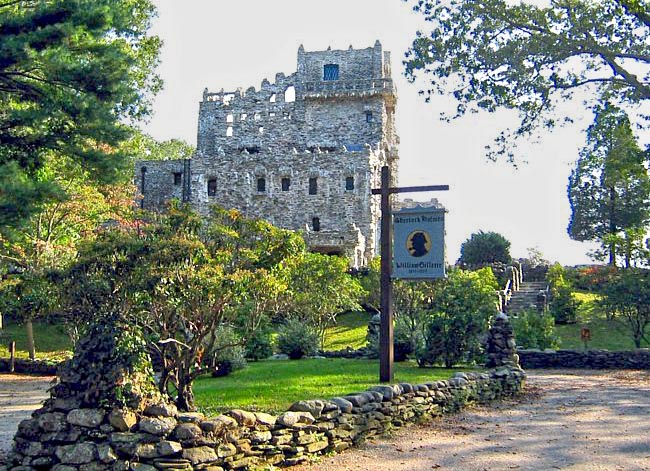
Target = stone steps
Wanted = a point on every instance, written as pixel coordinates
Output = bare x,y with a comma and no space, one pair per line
526,297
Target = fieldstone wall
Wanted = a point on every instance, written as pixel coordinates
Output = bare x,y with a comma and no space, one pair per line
597,359
500,345
66,435
30,367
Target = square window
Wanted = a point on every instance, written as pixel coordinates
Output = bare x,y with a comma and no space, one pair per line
331,72
261,185
178,178
286,183
212,187
315,224
313,185
349,183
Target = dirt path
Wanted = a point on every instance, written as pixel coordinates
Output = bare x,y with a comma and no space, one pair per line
19,396
570,420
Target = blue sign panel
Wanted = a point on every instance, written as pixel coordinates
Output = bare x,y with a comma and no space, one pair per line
419,243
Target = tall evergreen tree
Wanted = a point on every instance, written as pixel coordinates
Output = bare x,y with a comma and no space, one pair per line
609,189
73,75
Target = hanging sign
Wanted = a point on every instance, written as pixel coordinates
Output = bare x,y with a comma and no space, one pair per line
419,243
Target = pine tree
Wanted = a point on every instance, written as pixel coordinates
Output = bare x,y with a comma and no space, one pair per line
73,75
609,189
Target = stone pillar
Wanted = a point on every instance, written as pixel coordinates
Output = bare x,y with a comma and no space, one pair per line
500,345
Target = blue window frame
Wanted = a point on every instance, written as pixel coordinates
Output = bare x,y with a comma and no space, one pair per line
331,72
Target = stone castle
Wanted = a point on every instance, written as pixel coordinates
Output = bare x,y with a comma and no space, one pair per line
303,152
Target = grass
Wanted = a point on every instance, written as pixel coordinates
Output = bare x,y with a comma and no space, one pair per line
605,334
350,331
51,341
272,386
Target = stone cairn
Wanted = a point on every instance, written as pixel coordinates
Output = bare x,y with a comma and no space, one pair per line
106,414
500,344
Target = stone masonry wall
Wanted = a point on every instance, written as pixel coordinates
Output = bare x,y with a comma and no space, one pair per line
597,359
64,436
30,367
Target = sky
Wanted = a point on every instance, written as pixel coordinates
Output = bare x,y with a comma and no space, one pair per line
231,44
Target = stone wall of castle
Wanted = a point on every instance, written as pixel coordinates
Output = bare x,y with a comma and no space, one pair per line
302,152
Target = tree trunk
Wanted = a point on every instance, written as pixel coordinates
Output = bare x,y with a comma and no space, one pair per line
30,340
612,227
185,398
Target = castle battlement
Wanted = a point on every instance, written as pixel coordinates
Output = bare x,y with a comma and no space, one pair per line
303,151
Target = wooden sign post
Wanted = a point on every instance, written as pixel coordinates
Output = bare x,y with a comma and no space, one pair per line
386,303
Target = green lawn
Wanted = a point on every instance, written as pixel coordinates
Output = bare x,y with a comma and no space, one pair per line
272,386
610,335
51,341
350,331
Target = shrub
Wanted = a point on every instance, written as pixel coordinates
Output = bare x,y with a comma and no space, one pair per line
563,306
627,296
297,339
405,340
535,330
259,345
229,353
458,317
484,248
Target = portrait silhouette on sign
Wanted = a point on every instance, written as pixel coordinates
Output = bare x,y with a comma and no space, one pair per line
418,244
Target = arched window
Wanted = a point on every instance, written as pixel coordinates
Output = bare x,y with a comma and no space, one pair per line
313,185
349,183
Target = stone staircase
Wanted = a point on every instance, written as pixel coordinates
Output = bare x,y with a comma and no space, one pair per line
526,297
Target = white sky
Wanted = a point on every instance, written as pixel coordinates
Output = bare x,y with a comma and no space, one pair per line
231,44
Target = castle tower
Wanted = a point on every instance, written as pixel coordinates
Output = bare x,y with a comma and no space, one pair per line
302,152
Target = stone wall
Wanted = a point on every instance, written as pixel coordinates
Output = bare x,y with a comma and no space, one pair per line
598,359
65,436
30,367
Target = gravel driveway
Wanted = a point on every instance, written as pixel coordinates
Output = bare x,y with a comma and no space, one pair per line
571,420
19,396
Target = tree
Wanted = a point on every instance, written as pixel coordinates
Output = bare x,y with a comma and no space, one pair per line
495,54
142,146
562,306
483,248
73,73
609,189
627,295
182,280
458,316
319,288
47,240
